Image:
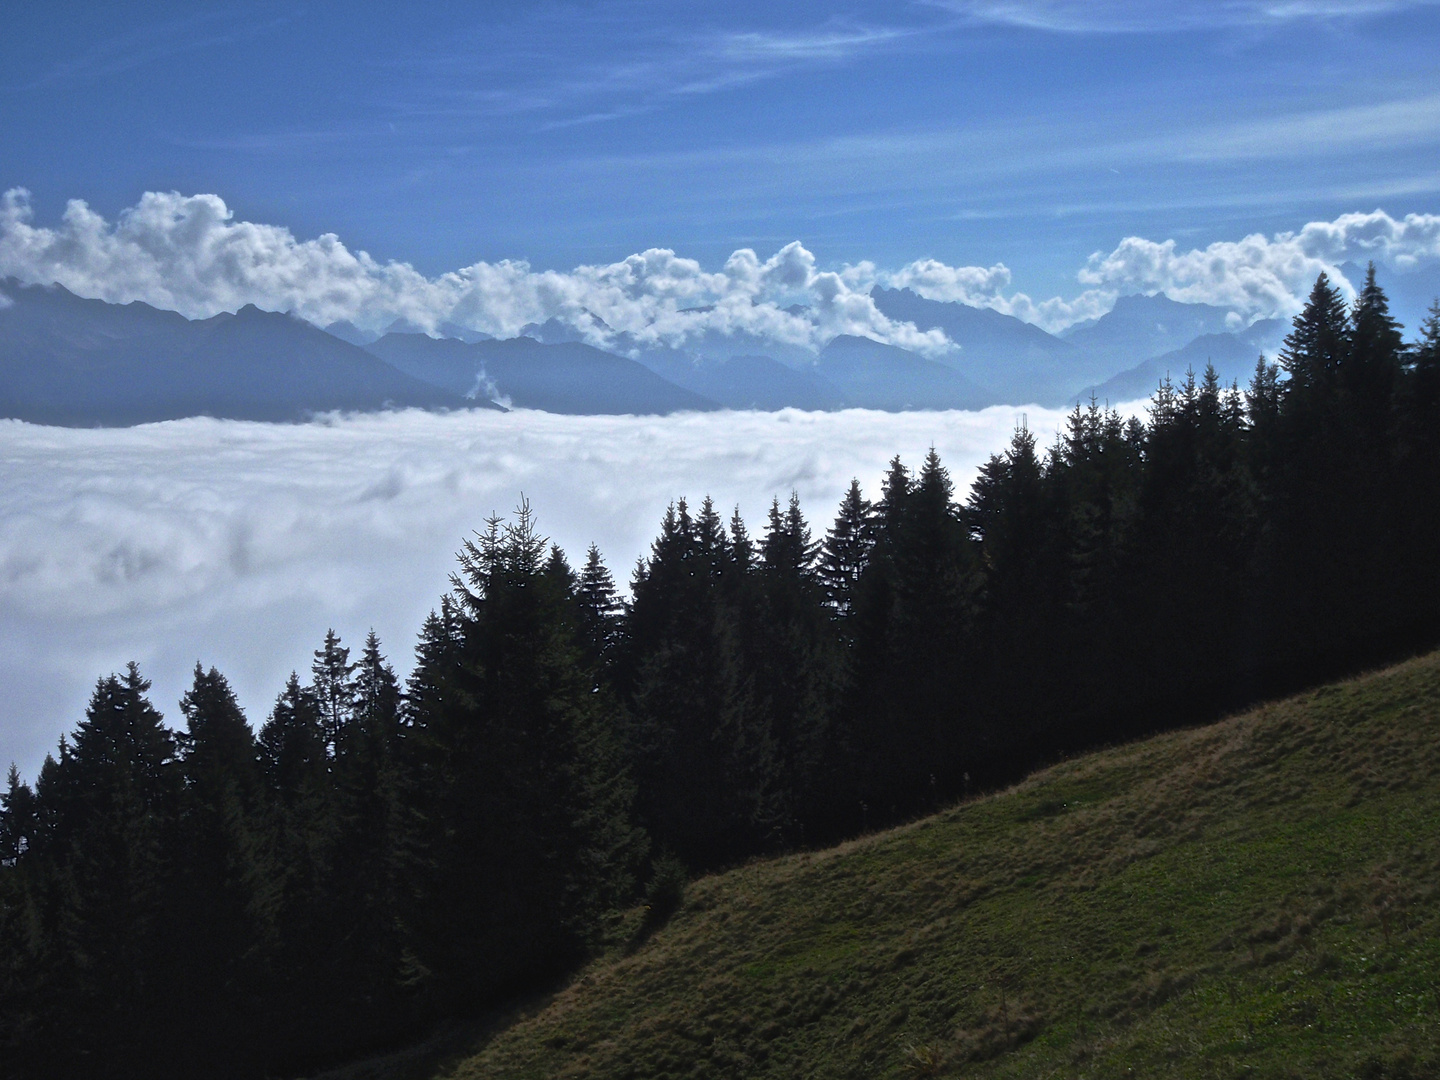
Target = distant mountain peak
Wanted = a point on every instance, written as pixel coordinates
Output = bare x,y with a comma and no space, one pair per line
74,361
554,331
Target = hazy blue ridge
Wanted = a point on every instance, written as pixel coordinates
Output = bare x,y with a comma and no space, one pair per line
873,375
1017,360
564,377
747,382
70,361
1140,327
345,330
1232,354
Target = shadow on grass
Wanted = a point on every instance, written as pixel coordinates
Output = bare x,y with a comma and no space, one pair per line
446,1047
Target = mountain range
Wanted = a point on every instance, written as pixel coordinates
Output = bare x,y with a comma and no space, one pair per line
71,361
1232,355
75,361
565,377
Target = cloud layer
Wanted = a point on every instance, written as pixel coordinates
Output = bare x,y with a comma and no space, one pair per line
238,544
188,253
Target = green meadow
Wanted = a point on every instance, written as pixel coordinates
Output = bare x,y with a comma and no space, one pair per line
1258,897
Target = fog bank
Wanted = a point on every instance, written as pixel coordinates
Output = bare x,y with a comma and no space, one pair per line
238,543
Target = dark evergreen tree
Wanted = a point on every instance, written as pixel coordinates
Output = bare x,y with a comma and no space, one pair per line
794,665
1318,343
909,716
1010,516
600,610
705,758
111,808
292,746
846,550
332,687
224,907
17,818
1373,366
527,835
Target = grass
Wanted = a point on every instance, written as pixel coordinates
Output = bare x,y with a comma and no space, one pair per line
1259,897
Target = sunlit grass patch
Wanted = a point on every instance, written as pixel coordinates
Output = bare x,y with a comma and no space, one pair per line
1258,897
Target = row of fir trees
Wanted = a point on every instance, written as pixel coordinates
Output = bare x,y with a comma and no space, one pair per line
224,902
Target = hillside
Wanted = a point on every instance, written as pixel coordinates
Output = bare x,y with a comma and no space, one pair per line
1256,897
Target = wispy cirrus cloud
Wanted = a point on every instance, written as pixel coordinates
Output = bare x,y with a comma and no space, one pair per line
1152,16
647,67
152,42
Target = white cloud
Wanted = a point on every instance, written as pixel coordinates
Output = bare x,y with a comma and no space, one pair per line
190,254
1256,277
1262,276
1144,16
983,286
239,543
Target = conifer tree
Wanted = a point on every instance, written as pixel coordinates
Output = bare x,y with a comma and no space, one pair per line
741,550
793,666
292,745
17,818
332,687
370,846
846,550
600,609
224,900
114,803
1425,363
525,796
1318,343
1373,367
704,758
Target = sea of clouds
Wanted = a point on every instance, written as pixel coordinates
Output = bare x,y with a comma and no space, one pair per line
238,544
188,253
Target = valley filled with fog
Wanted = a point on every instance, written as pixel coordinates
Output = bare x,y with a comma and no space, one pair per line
238,544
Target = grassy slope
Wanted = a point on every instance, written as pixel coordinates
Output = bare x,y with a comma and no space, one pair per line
1257,897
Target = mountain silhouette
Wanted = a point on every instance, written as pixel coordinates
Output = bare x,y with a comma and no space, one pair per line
72,361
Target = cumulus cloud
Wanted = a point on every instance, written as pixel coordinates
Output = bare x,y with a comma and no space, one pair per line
1257,277
983,286
188,253
1262,276
239,543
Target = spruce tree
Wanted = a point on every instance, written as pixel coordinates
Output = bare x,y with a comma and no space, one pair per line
525,800
332,687
1318,343
17,818
600,609
292,745
1373,367
113,842
225,899
846,550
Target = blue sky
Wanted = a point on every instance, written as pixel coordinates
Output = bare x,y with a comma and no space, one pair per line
974,132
